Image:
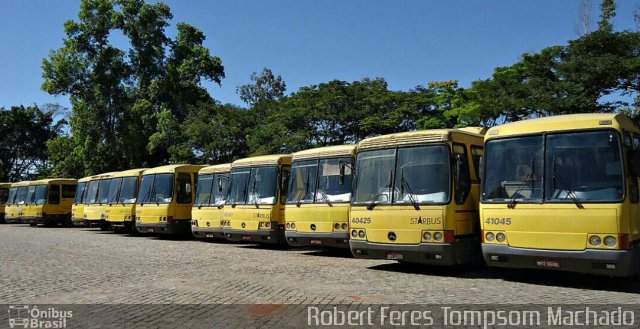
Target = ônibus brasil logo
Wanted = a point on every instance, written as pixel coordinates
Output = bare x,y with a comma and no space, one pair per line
24,316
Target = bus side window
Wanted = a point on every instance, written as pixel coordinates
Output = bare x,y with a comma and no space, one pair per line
69,191
476,154
462,178
184,188
54,194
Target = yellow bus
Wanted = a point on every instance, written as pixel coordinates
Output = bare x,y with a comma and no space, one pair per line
95,204
208,209
317,209
77,208
16,203
49,201
4,196
561,193
416,196
257,194
165,199
121,205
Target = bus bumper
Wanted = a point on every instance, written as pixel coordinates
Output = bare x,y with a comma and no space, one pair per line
207,233
94,223
594,261
13,220
79,221
464,251
330,239
2,218
175,227
46,220
262,236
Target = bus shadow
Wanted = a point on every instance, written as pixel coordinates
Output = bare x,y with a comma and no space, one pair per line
572,280
475,271
334,253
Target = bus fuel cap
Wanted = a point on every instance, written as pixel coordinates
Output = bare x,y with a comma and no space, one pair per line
312,227
244,225
391,236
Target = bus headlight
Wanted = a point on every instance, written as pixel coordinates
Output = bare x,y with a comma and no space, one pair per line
489,237
595,240
288,226
293,226
427,236
267,224
336,226
500,237
361,234
437,236
345,226
610,241
354,233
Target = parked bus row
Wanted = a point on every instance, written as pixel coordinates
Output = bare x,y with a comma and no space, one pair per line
557,193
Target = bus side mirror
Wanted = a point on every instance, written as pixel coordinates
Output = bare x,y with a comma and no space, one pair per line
341,177
481,168
219,184
635,163
283,180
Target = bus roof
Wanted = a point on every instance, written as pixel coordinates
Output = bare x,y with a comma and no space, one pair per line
103,175
413,138
84,179
20,184
219,168
173,168
563,122
53,181
263,160
323,152
5,185
130,173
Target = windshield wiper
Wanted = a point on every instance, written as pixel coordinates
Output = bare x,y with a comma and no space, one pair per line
570,193
374,202
529,178
405,184
325,197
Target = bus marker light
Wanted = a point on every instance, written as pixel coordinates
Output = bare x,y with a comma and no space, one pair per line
489,237
610,241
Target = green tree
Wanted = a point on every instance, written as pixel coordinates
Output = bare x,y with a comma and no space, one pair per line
23,146
127,104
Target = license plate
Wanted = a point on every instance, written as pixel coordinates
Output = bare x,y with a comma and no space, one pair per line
150,230
209,235
552,263
394,256
246,238
315,241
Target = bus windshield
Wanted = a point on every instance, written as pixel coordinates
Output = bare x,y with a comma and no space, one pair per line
238,186
330,186
156,188
262,185
128,190
303,181
418,174
21,195
40,194
203,193
221,191
12,196
103,190
114,188
584,166
80,193
92,192
4,195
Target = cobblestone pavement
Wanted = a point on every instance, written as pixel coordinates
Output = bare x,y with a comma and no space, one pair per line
80,265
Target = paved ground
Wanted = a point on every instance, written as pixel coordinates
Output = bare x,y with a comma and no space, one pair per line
61,265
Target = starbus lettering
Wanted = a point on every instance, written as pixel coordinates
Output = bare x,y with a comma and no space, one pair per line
425,220
588,317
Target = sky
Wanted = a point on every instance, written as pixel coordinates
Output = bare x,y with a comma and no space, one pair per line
407,42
